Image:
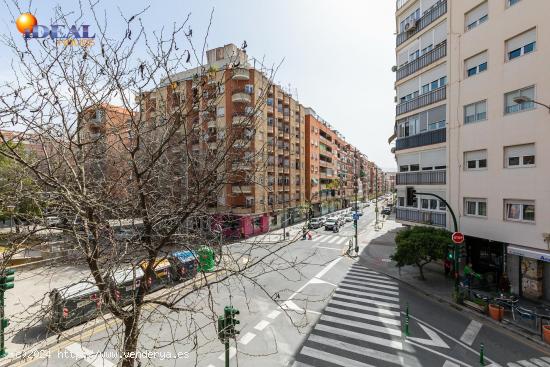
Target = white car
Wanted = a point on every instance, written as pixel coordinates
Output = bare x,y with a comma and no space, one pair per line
349,218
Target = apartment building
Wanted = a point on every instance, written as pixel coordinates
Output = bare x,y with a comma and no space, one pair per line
231,100
496,169
421,110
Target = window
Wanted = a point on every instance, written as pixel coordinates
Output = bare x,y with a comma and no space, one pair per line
475,160
415,167
521,44
476,64
249,88
400,201
269,101
475,112
519,211
221,111
476,16
510,106
403,168
475,207
512,2
519,156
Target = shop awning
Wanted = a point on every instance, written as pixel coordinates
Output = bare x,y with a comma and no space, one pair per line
529,252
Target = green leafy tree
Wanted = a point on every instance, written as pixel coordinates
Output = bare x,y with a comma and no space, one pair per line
420,246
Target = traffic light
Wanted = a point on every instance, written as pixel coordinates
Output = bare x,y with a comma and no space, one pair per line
355,223
222,335
411,196
230,320
6,280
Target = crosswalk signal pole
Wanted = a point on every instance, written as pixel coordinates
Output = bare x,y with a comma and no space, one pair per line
6,282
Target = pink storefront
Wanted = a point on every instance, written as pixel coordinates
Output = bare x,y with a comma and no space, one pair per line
242,226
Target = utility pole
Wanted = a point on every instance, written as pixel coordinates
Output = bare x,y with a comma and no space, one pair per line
376,195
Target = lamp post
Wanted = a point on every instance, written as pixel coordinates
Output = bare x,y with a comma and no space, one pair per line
11,209
525,99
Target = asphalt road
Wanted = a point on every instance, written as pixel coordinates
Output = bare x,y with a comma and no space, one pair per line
278,308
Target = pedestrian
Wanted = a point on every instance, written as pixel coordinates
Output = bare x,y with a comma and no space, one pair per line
447,267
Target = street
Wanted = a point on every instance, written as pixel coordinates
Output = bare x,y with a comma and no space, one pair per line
333,311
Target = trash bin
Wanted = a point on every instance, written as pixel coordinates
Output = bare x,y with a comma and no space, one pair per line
206,259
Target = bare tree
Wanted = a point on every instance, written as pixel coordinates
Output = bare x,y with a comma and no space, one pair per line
139,168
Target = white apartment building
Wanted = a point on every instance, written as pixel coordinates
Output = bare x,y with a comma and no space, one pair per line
497,161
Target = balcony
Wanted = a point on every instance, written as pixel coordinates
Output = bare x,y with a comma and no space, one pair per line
240,74
239,96
421,178
432,15
422,139
422,100
421,216
242,120
421,62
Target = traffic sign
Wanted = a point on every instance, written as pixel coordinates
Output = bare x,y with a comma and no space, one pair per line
458,237
355,216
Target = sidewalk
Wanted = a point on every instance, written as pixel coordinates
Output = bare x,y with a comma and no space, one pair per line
376,255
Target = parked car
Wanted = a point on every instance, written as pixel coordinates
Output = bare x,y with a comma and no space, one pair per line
322,220
330,224
349,218
315,223
386,211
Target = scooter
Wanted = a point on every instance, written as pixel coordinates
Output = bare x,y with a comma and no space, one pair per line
335,228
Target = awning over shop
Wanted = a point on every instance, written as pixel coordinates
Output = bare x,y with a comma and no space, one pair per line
529,252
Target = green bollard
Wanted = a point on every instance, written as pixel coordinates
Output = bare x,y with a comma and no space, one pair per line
481,356
407,320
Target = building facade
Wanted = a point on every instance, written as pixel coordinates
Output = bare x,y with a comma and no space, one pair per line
486,61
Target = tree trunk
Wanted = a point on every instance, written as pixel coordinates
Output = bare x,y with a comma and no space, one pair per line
131,335
421,269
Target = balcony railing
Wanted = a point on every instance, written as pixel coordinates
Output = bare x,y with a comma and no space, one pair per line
241,96
241,189
421,216
401,3
429,17
422,139
240,74
421,178
422,100
428,58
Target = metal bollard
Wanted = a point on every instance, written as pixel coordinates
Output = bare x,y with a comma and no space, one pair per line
407,320
481,355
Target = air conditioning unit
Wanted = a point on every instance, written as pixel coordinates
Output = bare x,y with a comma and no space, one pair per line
394,68
410,25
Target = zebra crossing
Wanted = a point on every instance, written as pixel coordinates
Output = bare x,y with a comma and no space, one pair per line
360,327
533,362
329,239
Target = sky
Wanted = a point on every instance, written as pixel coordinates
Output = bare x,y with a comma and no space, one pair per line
336,54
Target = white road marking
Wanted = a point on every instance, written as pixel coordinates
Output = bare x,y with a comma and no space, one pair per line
370,289
460,363
364,316
360,273
331,358
395,344
327,268
370,301
471,332
232,353
380,281
511,364
370,284
526,363
289,305
381,311
450,364
92,358
361,325
370,295
261,325
273,314
321,281
434,339
329,248
246,338
372,353
539,363
341,241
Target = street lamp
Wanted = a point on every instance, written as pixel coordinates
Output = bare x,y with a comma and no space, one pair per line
525,99
11,209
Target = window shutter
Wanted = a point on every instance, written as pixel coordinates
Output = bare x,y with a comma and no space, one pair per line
432,158
434,74
407,159
475,155
476,13
440,33
475,60
519,150
437,114
521,40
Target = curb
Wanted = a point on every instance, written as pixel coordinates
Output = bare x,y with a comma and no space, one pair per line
505,324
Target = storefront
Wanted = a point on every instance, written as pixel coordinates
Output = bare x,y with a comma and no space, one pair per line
487,258
529,272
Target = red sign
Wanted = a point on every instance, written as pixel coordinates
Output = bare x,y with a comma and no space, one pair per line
458,237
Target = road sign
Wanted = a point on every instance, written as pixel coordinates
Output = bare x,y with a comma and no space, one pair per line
458,237
355,216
